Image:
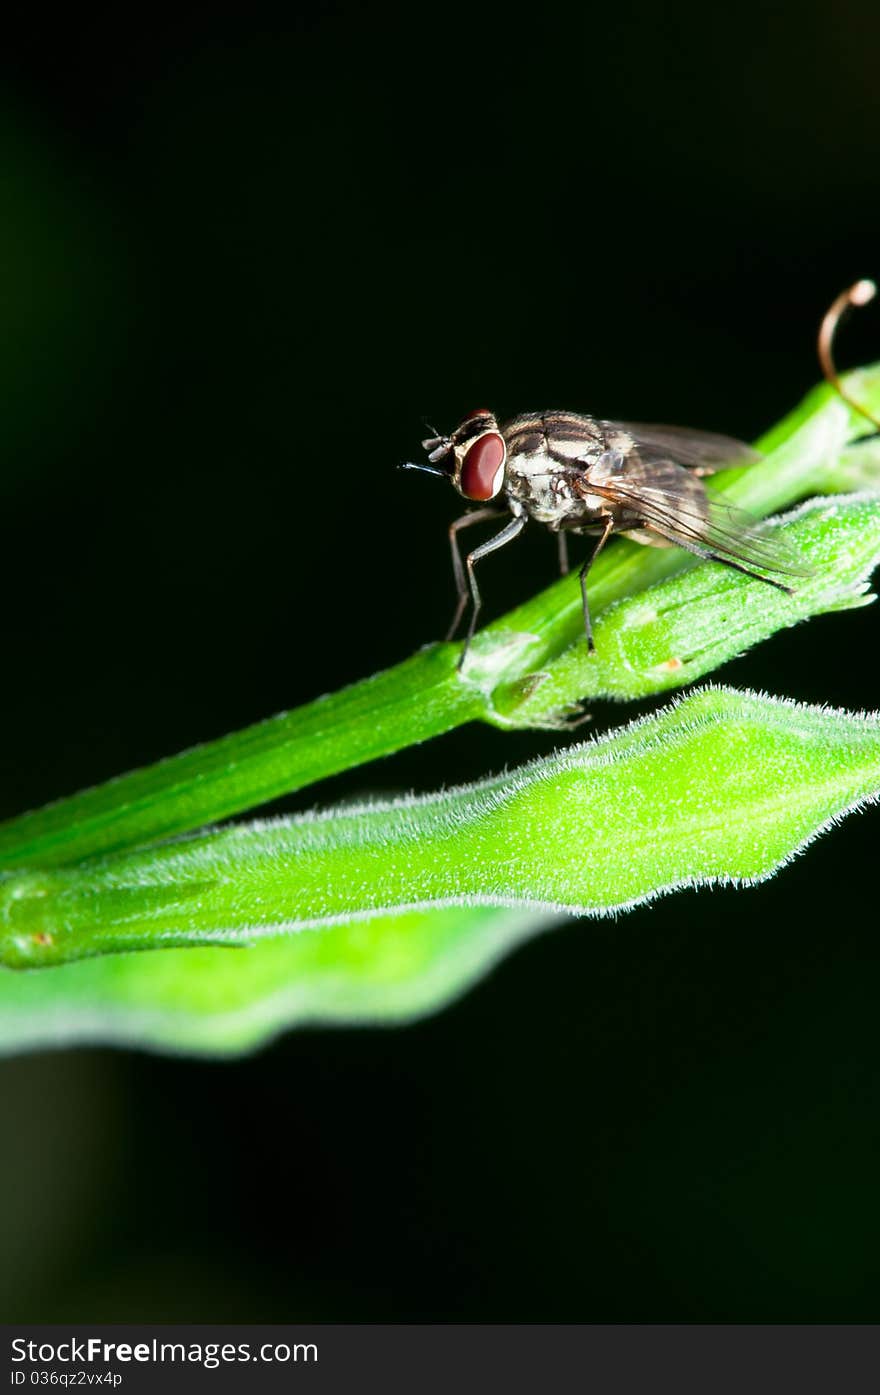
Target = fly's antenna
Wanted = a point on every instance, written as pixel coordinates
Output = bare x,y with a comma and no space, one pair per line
862,293
425,469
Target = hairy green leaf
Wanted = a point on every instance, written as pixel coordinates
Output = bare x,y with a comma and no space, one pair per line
723,786
212,1000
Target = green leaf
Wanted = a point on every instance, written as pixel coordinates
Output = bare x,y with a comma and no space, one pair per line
215,1001
724,786
526,668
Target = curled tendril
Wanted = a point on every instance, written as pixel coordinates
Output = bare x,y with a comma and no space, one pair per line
861,293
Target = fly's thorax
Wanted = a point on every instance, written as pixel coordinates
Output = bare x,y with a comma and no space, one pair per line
549,455
544,488
564,435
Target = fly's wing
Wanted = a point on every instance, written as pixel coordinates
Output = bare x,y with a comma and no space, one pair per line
672,502
701,451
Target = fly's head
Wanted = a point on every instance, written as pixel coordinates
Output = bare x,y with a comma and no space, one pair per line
473,457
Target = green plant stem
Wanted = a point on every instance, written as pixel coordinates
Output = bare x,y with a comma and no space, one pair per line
425,695
410,703
692,623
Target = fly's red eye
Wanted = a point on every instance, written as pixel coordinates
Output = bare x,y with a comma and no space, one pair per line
482,471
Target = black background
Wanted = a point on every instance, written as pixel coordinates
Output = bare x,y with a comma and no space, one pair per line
241,258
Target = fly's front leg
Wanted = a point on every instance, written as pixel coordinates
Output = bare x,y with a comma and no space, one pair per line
477,516
588,626
512,530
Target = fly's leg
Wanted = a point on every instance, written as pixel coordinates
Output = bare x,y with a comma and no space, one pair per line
588,626
477,516
562,540
747,571
507,534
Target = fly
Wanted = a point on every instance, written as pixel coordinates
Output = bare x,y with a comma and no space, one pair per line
579,475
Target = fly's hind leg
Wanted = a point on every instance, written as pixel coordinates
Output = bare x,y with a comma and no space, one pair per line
603,538
562,543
